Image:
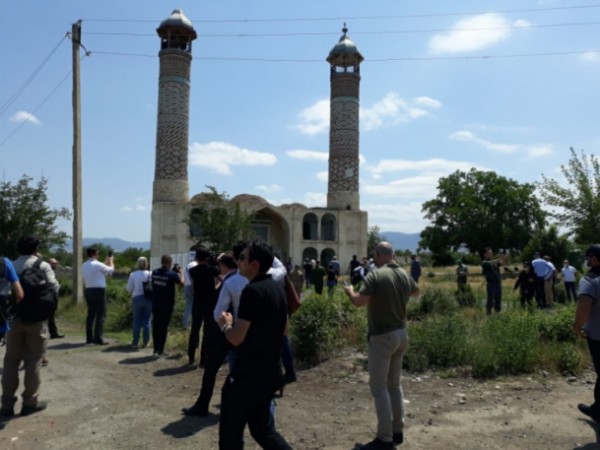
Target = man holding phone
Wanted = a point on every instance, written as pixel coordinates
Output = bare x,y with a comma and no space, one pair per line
94,275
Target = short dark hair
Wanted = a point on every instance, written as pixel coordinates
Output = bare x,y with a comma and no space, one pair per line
202,253
91,251
166,260
239,248
28,244
263,253
593,250
227,260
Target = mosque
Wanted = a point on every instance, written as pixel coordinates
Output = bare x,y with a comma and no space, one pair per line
294,230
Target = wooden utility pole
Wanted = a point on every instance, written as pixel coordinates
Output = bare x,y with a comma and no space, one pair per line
77,203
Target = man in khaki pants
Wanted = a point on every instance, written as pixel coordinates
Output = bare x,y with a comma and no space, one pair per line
385,292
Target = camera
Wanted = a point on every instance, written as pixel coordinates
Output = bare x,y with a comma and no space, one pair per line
176,267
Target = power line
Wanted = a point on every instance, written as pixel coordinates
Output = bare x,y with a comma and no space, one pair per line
404,58
328,33
322,19
29,79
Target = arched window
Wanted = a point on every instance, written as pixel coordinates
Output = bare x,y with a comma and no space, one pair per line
310,227
328,227
326,256
310,253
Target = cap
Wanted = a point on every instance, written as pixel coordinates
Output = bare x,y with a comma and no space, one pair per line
593,250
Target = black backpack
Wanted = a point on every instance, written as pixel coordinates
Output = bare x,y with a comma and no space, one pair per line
39,302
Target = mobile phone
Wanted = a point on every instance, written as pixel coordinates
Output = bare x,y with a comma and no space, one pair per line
345,283
110,253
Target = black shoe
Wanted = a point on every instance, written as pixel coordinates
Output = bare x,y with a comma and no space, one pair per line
587,410
378,444
7,412
195,411
398,438
57,336
290,378
31,409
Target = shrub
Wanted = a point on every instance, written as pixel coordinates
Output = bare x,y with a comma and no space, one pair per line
324,326
433,300
465,297
557,325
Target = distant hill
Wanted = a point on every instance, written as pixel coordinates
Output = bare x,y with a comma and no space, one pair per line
115,243
402,241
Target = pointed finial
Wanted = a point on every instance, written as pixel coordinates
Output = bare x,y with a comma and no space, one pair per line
345,29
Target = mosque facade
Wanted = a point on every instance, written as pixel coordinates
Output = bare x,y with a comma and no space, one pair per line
294,230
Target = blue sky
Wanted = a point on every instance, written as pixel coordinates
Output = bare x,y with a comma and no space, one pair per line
497,85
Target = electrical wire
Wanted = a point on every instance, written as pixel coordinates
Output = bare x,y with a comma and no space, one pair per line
322,19
29,79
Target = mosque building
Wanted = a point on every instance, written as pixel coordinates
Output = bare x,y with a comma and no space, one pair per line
295,231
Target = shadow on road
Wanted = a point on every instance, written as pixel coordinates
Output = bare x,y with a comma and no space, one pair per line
592,445
188,426
174,370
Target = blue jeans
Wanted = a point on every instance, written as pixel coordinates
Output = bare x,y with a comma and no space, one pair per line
142,311
189,301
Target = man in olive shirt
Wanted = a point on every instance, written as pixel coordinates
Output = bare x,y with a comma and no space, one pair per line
386,292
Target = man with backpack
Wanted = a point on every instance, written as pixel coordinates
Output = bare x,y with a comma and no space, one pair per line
26,341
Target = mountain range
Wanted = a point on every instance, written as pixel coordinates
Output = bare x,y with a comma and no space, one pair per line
400,241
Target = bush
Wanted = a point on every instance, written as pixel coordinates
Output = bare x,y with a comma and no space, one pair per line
465,297
438,341
433,300
557,325
508,344
324,326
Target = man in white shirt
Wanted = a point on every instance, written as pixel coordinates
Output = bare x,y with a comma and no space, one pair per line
187,290
569,276
94,278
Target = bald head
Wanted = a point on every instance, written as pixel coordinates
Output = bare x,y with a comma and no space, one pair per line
384,253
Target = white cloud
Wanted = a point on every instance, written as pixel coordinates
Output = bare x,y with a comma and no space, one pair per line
393,109
435,165
531,151
522,23
323,176
269,188
24,116
315,118
314,199
405,216
309,155
220,156
591,56
471,34
133,209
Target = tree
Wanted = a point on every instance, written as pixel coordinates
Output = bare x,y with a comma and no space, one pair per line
24,210
217,221
374,237
477,209
549,243
578,200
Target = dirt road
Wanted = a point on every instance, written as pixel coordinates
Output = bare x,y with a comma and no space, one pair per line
116,398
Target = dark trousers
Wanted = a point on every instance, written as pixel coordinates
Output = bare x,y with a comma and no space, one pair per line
162,311
540,293
52,328
96,305
215,357
594,347
242,404
570,289
287,358
494,297
199,315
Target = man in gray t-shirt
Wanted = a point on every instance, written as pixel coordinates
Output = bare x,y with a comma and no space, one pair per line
587,322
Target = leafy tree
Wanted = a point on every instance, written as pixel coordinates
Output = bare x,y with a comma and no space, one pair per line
477,209
578,200
24,210
217,221
128,257
548,242
374,237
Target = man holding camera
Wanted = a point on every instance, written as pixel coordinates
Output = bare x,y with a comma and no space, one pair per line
164,281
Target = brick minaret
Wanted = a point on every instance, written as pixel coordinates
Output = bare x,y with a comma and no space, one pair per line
170,188
342,190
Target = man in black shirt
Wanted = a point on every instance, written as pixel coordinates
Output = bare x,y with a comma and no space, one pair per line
205,299
164,281
256,373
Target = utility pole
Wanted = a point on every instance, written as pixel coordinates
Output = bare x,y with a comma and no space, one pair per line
77,203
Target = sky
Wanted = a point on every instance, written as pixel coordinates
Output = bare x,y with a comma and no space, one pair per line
507,86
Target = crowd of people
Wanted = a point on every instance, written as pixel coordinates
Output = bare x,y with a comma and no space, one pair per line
240,301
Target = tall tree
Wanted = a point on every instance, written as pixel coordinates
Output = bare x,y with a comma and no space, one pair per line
218,221
374,237
577,199
24,210
478,209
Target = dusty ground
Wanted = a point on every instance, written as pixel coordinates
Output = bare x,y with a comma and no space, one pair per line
115,398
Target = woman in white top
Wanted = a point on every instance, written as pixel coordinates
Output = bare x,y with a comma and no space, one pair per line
141,306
